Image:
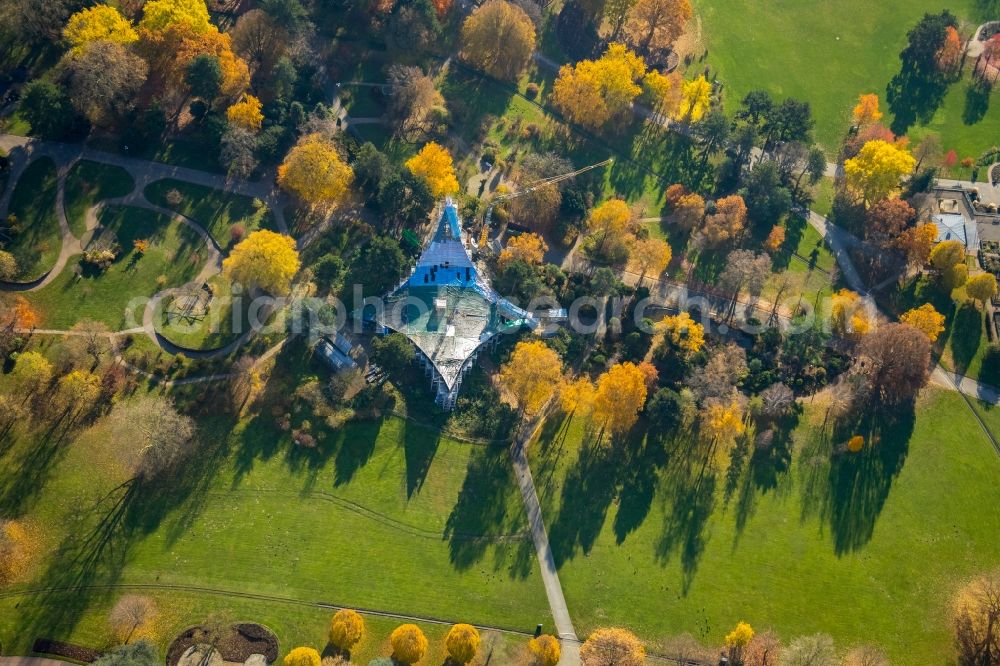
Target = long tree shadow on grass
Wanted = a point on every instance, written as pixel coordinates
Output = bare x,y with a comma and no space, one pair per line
689,501
488,515
640,475
966,335
89,561
977,103
848,491
766,472
587,492
914,95
24,478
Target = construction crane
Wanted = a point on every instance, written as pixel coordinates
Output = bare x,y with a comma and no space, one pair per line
484,234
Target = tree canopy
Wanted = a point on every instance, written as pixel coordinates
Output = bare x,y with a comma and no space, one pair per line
498,38
433,164
314,171
264,259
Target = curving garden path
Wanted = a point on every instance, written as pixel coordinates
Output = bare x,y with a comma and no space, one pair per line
23,151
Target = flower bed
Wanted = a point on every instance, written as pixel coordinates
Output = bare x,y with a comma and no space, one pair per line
236,643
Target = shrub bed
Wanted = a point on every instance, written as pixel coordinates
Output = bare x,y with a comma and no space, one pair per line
68,650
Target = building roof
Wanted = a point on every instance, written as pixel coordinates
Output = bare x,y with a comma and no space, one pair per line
446,307
952,226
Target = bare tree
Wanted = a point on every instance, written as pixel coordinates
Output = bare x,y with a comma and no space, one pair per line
151,434
895,363
104,80
866,655
764,649
976,618
717,379
130,613
416,108
744,270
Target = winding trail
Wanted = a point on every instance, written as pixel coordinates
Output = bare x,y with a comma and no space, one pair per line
24,150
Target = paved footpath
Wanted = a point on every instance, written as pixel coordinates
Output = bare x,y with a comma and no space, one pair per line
31,661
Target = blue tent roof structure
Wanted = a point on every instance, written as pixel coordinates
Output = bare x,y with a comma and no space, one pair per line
448,310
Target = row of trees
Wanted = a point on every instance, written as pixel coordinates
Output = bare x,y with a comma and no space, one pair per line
409,644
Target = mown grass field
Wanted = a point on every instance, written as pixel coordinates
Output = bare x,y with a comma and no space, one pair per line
88,183
383,514
867,549
37,244
216,211
829,53
176,253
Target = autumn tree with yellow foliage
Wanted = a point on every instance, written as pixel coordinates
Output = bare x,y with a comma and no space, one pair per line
682,332
866,112
315,173
620,396
246,113
529,248
696,99
596,92
737,641
434,165
77,390
981,287
848,315
609,221
650,256
925,319
462,643
876,170
948,257
31,373
266,260
498,38
532,375
408,643
661,91
159,15
544,650
302,656
577,397
722,422
612,647
346,629
98,23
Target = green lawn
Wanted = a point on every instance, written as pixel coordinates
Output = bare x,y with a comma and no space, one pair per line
828,54
963,344
188,152
823,194
215,210
36,246
88,183
868,549
176,252
385,514
294,624
217,328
